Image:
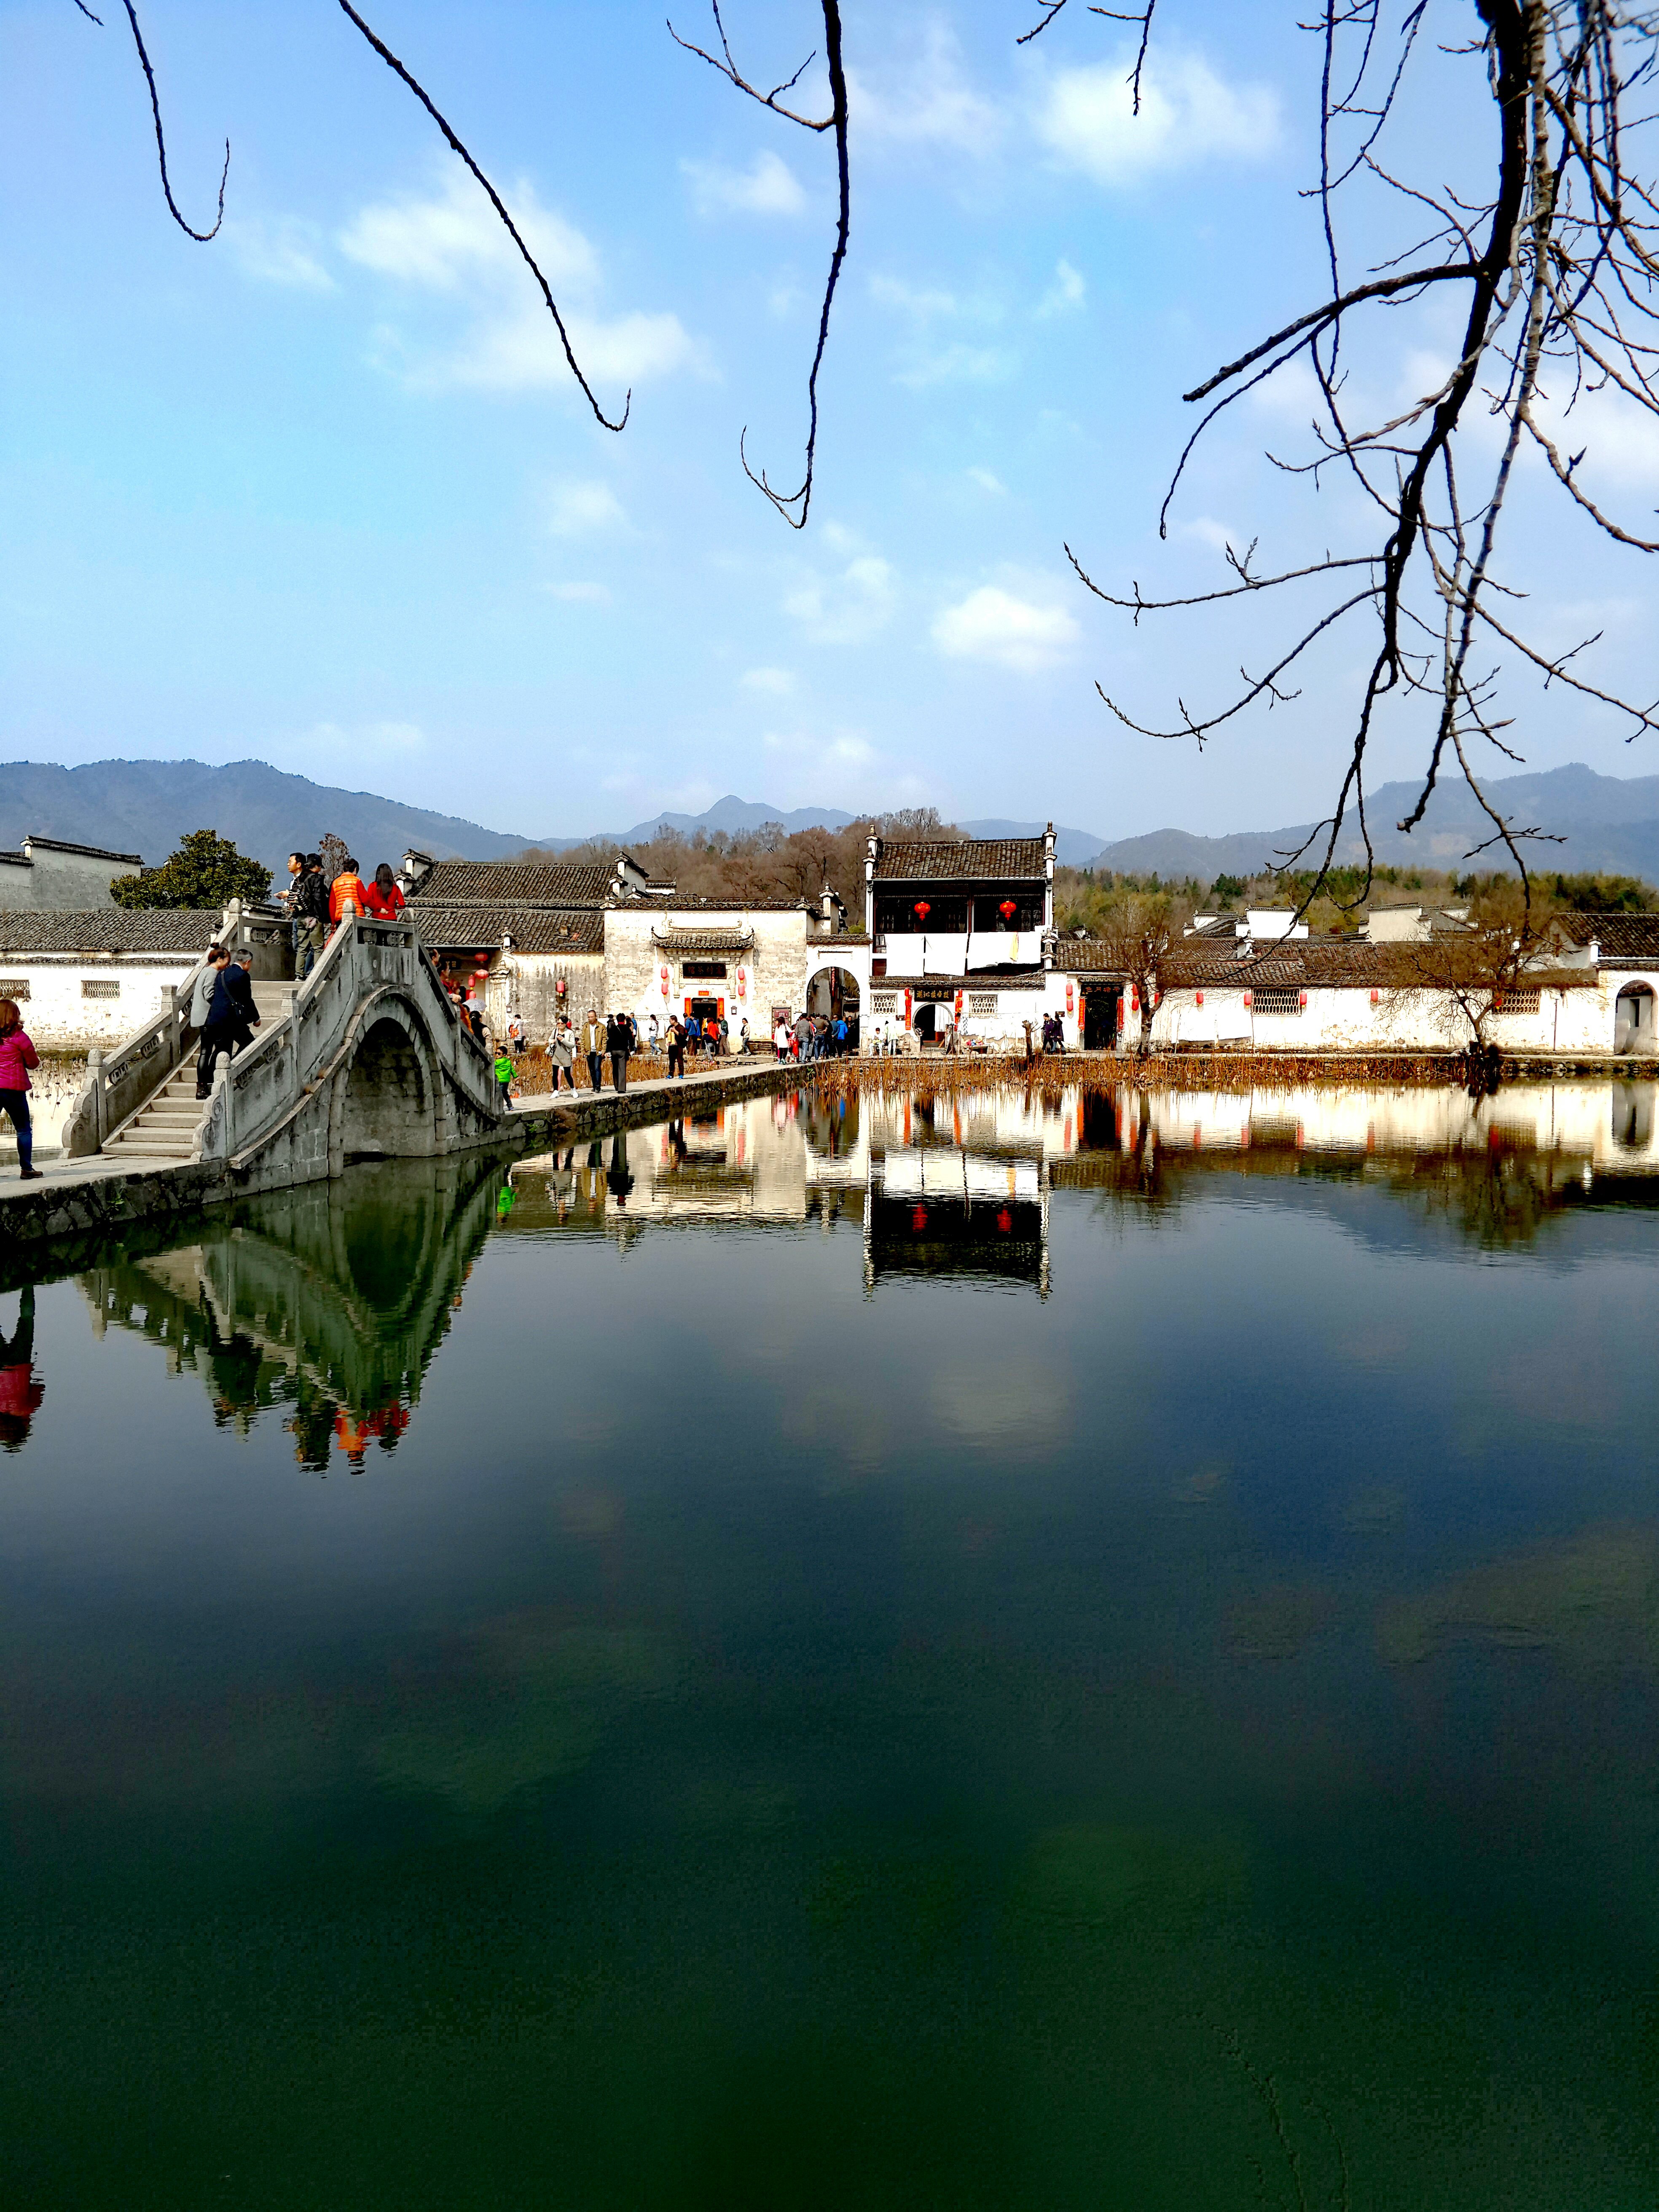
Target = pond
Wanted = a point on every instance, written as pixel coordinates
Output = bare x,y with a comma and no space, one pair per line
1016,1649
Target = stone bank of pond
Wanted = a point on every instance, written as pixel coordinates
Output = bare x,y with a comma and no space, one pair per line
863,1651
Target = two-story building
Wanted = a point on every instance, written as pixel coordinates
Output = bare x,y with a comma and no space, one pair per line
961,937
50,872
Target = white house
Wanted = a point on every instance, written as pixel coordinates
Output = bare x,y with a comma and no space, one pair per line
49,873
1622,951
961,937
81,979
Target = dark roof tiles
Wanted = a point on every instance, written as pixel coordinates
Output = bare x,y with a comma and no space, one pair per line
1002,859
479,926
522,883
97,930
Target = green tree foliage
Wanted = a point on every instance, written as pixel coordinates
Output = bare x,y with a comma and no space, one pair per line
1227,890
1593,894
206,871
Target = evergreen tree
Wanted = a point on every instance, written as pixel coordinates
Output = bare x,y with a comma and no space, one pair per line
206,871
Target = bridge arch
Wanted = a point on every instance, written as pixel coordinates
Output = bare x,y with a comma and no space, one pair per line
388,1098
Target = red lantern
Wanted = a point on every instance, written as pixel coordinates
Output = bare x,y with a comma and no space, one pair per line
1374,998
1250,998
958,1005
743,982
1005,1219
1302,998
1007,910
1135,998
1068,997
558,988
922,909
1198,998
918,1219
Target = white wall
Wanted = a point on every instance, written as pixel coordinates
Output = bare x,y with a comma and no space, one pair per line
60,1018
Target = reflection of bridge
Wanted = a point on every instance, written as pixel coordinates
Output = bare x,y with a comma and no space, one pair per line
331,1301
368,1059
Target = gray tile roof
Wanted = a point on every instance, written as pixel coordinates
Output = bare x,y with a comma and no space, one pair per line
1003,860
479,927
704,940
1085,956
984,979
184,930
1326,963
1620,936
522,883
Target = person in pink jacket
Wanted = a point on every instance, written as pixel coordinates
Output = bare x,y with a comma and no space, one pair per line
17,1056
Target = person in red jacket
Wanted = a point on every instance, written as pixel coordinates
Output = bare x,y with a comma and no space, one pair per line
20,1391
386,901
17,1056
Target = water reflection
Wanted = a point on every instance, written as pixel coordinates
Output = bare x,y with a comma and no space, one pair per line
960,1185
327,1304
21,1391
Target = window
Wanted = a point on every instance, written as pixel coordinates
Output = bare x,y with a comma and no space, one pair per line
981,1002
1279,1002
884,1002
90,990
1027,910
1514,1002
15,987
703,970
947,914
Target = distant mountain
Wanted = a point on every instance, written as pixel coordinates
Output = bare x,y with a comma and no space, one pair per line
1608,822
1073,848
146,805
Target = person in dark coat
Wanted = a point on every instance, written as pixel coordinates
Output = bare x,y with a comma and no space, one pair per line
615,1044
232,1020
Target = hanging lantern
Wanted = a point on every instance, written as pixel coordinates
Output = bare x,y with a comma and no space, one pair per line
918,1219
743,982
1302,998
1374,996
558,988
1068,995
1250,1000
1007,910
1135,998
1198,998
922,910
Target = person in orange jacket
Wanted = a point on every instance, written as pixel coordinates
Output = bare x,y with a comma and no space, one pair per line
347,886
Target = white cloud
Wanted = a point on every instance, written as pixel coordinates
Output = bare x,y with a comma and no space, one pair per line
777,682
1065,292
847,609
992,624
770,187
846,749
1187,115
333,739
1209,531
576,509
931,104
956,364
452,244
922,363
579,594
918,302
281,253
986,480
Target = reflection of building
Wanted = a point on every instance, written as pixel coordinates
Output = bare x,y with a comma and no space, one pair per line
329,1300
963,1215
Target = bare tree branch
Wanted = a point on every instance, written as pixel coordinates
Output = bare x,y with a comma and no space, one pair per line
201,237
496,201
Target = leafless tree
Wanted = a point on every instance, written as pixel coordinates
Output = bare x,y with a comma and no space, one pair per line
1137,929
1555,265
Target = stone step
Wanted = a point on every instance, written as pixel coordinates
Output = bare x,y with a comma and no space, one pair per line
144,1149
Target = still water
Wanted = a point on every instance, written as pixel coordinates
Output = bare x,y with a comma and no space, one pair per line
1038,1651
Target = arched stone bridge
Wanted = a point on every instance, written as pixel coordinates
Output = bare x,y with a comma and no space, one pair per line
368,1059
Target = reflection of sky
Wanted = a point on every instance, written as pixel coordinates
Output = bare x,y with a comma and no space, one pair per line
1262,1627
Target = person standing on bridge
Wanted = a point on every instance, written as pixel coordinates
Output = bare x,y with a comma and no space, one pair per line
385,900
348,886
593,1043
17,1056
308,904
232,1020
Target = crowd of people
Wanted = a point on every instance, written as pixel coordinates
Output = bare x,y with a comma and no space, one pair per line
815,1036
316,903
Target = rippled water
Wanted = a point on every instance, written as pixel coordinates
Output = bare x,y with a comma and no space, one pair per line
1067,1651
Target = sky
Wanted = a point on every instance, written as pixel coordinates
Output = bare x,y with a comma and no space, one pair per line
322,492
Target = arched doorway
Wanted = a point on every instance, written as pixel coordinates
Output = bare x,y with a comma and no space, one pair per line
386,1110
833,993
1633,1029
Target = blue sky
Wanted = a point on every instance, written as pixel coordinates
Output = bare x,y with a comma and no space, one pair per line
322,492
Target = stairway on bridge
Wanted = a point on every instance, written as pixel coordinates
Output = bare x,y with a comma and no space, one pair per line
162,1133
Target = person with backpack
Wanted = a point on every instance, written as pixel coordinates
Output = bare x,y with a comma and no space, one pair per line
308,904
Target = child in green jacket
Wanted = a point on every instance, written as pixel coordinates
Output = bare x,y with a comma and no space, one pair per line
505,1070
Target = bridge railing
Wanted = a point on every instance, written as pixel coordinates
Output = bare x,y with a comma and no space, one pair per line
120,1083
264,1087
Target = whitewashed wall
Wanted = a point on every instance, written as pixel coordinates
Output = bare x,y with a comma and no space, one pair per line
774,967
60,1016
1575,1022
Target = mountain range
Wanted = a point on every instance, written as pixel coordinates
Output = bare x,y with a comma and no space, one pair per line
1607,823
